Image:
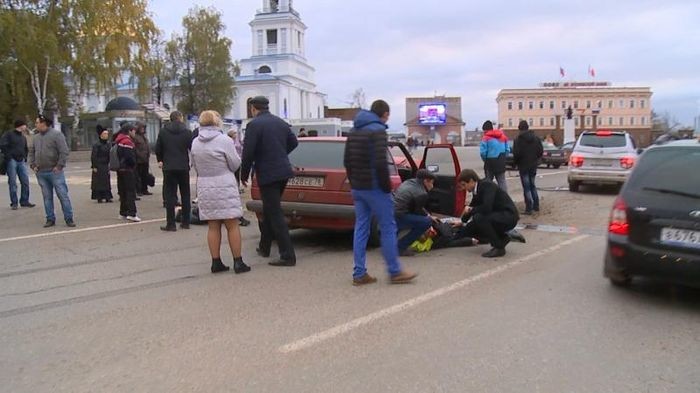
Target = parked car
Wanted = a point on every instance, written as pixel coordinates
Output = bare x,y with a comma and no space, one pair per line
601,157
567,148
654,228
318,197
552,156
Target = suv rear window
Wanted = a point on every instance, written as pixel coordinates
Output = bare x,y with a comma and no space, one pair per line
327,155
669,169
595,140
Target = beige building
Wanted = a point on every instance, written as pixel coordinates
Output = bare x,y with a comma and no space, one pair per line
595,105
435,119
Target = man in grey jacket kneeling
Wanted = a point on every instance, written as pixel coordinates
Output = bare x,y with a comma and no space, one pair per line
410,200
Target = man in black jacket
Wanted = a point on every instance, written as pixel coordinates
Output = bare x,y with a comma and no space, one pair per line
14,147
172,152
490,215
267,144
527,152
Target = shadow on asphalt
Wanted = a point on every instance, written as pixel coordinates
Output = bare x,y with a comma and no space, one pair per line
329,240
661,293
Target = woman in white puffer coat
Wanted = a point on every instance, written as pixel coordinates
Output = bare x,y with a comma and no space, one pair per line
215,161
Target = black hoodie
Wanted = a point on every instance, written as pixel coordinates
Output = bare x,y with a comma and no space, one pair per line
527,150
173,146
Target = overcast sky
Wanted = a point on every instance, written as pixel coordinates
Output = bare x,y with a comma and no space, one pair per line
398,49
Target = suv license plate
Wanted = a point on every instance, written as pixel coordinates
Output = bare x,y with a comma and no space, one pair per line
306,181
681,237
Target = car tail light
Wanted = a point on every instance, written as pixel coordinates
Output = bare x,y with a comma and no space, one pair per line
618,218
627,162
603,133
576,161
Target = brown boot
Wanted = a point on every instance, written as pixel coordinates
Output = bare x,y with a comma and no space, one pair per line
366,279
403,277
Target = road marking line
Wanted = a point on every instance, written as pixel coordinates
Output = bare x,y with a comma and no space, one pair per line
367,319
68,232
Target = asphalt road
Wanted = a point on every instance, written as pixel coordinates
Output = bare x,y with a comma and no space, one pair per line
109,306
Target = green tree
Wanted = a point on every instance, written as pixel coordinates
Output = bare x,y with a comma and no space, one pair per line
200,62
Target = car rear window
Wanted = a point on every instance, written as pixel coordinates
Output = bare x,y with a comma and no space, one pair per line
327,155
668,168
602,141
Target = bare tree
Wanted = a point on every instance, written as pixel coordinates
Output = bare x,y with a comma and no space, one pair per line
357,99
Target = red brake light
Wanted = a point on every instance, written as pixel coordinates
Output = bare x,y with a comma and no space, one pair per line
603,133
618,218
576,160
627,162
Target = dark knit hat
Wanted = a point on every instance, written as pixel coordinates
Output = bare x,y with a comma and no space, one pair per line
488,126
20,123
523,126
260,102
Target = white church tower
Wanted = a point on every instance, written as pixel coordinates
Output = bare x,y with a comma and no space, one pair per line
278,69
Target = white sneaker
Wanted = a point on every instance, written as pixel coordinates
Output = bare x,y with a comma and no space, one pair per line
133,218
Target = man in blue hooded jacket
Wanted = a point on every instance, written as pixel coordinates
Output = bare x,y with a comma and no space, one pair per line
368,172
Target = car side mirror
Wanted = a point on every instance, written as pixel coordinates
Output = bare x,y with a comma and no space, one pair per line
640,151
434,168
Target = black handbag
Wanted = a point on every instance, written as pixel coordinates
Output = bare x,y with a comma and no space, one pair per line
151,180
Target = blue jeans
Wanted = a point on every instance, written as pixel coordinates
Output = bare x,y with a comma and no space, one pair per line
49,182
532,200
500,179
379,204
18,169
417,224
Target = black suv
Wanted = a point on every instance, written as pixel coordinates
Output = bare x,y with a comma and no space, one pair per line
654,228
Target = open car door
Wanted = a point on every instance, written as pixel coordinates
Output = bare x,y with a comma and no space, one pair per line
443,162
401,161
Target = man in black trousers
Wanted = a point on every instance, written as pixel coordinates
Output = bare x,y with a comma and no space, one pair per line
489,216
268,141
172,152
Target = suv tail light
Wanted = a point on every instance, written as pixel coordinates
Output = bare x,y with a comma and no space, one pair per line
618,218
576,160
603,133
627,162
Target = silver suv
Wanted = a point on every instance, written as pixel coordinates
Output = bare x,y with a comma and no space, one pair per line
601,157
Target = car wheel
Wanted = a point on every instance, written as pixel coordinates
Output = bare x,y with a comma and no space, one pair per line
574,186
374,235
556,166
622,281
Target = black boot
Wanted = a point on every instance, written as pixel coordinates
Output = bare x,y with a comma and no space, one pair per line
239,266
217,266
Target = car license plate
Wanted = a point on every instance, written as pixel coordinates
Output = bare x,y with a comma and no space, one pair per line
306,181
682,237
556,154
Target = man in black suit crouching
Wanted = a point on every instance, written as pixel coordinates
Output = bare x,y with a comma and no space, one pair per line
489,216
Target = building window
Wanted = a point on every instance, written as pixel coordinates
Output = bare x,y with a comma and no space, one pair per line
510,105
551,122
541,104
563,104
631,121
531,105
510,122
272,37
529,122
264,70
631,103
541,121
576,104
610,104
610,121
622,121
621,104
588,104
644,120
642,103
599,104
600,121
588,121
551,104
520,105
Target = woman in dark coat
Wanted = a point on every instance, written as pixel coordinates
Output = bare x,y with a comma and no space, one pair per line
101,186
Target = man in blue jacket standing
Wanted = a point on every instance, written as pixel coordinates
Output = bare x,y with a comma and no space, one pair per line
368,172
267,144
493,150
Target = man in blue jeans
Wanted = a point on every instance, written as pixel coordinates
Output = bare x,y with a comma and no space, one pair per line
410,200
365,160
15,149
48,160
527,153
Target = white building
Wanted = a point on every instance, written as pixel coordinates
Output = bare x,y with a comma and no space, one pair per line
278,68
